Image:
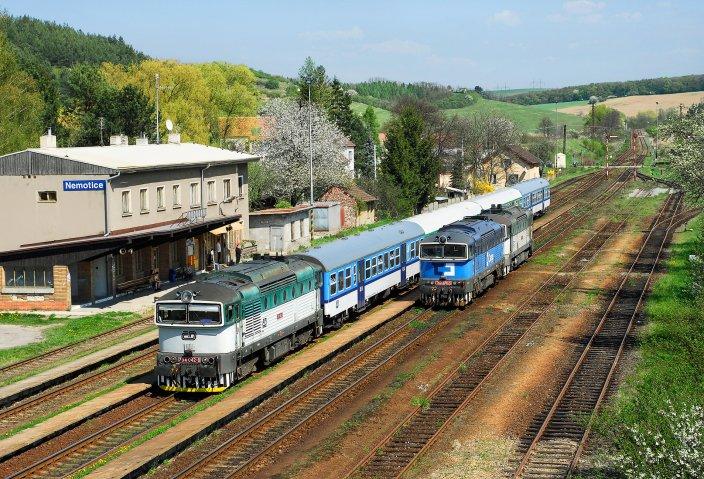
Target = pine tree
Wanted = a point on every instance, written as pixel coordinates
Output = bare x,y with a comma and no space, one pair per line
459,173
409,162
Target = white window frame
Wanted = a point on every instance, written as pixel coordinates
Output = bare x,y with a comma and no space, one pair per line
194,196
144,205
176,195
160,200
126,194
226,189
211,189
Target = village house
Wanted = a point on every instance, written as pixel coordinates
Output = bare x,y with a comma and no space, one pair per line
279,231
358,206
87,223
509,166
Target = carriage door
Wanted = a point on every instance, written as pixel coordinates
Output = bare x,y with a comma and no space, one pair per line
360,284
403,265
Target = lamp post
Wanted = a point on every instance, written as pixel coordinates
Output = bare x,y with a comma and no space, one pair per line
157,108
310,141
657,127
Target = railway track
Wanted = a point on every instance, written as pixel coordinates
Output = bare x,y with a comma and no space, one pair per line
238,450
555,440
397,451
75,390
51,358
87,444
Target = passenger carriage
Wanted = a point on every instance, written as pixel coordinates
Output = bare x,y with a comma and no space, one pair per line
534,195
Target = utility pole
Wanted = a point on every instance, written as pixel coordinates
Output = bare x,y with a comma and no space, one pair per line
564,139
157,108
374,161
657,127
102,125
310,140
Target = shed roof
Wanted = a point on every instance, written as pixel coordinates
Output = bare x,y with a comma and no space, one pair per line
359,194
137,157
281,211
522,154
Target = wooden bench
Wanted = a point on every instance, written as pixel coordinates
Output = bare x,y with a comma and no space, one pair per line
134,284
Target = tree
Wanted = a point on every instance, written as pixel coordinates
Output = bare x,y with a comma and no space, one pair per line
409,162
315,76
371,122
687,151
544,150
459,173
21,107
285,152
546,127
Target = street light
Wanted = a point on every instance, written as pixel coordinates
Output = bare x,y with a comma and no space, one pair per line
310,140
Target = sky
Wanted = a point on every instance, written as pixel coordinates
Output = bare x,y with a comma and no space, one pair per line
513,44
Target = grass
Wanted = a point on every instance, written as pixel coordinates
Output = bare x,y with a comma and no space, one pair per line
569,173
526,118
348,232
671,350
562,104
383,116
59,332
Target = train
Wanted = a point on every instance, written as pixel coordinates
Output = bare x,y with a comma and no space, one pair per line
227,324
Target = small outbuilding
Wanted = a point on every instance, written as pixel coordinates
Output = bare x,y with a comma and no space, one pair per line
327,217
358,206
280,230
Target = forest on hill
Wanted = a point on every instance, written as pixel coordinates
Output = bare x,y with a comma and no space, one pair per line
606,90
384,94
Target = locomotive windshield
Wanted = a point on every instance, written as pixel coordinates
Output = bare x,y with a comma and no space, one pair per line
443,251
194,314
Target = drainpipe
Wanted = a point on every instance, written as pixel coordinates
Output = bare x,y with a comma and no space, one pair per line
107,203
204,257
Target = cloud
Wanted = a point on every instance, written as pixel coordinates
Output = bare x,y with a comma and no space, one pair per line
354,33
582,7
630,17
398,47
506,17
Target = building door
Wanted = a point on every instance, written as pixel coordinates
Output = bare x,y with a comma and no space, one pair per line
99,278
276,239
403,265
361,300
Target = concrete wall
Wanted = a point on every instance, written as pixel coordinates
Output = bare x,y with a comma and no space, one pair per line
261,225
27,220
58,300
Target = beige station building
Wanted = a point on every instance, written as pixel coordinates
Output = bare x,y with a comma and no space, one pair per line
87,223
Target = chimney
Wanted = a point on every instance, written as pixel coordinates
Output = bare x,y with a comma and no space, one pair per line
174,138
118,140
48,140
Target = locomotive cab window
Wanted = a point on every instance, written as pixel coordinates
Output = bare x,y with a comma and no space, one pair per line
204,314
431,251
455,251
171,314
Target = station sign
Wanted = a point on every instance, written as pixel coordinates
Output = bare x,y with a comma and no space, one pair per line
84,185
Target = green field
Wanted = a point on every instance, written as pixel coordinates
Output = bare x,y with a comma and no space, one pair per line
382,115
526,118
562,104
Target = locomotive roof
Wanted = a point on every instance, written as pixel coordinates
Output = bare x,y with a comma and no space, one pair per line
350,249
233,280
506,216
472,228
528,186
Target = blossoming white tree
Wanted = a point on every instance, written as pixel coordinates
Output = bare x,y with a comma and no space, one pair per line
284,147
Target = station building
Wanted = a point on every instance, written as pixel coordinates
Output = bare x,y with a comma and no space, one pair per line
86,223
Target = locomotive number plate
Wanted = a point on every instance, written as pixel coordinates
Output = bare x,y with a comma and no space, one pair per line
188,335
190,359
443,283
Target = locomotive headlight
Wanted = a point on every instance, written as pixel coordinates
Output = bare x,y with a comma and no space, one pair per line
166,360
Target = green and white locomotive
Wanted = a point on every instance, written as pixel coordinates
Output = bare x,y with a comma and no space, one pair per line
215,331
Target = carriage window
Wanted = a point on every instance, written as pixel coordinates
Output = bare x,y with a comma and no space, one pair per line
374,266
431,250
285,294
348,278
367,269
380,262
340,281
333,283
386,260
171,314
457,251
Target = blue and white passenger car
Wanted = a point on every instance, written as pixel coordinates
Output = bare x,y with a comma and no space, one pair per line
534,195
358,269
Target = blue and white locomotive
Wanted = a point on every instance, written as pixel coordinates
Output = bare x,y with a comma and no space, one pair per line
227,324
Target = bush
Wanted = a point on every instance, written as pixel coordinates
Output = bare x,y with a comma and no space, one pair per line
272,84
283,204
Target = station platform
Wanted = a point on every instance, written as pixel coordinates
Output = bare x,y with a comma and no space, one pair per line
175,439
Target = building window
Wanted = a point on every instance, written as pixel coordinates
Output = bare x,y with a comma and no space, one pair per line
212,196
240,185
226,189
46,196
29,277
143,200
177,196
159,198
195,195
126,202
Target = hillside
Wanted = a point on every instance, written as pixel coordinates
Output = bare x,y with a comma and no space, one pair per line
632,105
48,43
